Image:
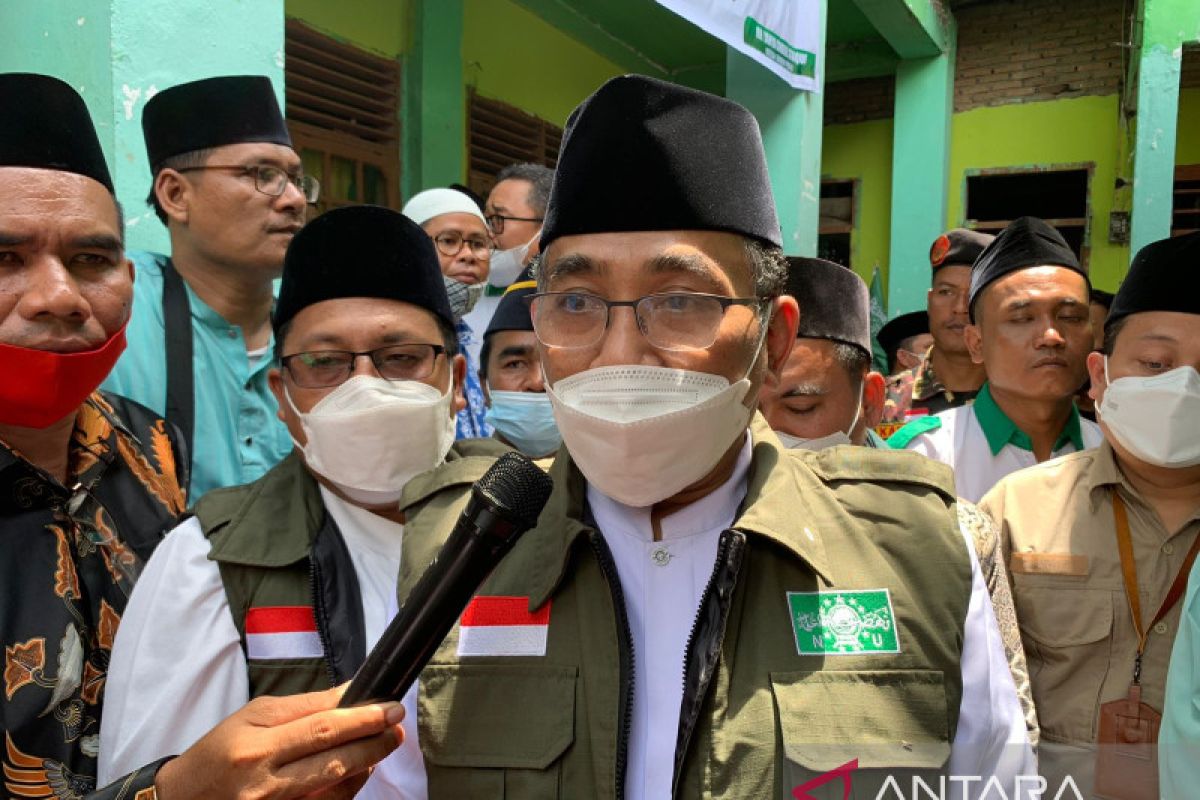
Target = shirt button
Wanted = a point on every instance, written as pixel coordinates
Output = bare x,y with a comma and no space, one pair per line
1168,548
232,334
1160,628
661,556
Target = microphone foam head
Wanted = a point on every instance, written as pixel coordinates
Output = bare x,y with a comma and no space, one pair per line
516,484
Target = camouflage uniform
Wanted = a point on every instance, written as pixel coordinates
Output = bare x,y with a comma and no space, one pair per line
917,392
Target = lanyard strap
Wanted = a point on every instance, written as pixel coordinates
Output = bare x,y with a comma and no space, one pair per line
1129,572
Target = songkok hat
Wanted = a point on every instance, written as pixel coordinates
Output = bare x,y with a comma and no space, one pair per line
213,112
834,302
642,154
512,312
900,328
47,126
1164,276
361,251
424,206
959,246
1027,242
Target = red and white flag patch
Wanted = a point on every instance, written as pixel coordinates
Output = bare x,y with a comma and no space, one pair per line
277,632
503,626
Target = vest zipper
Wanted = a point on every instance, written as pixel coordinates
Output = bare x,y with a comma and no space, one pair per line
625,648
705,641
314,581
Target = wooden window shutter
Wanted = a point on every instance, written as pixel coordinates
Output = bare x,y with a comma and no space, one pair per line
343,112
499,134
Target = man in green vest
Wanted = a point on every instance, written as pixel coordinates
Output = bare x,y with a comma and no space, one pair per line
699,612
281,586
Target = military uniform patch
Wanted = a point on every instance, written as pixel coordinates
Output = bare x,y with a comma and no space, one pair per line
843,623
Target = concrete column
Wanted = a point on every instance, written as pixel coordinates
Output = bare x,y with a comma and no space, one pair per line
920,172
435,98
119,53
1166,26
791,126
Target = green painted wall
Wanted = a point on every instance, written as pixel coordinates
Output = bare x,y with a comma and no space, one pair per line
513,56
863,151
120,52
1061,132
1043,134
1187,140
380,26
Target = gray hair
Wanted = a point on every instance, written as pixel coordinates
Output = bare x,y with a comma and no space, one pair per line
194,158
539,179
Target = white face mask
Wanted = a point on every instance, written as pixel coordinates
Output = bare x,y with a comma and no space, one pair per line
828,440
643,434
1157,419
370,436
506,265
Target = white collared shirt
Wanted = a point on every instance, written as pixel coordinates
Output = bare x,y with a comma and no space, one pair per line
178,648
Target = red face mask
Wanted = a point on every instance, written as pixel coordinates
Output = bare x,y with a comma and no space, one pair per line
40,387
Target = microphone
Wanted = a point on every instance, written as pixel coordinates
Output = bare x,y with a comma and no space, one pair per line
504,504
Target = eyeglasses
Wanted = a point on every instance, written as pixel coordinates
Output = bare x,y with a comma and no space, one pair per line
451,244
91,519
320,369
496,221
669,321
271,181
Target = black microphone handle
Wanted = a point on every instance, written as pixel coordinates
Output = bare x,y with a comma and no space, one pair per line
479,540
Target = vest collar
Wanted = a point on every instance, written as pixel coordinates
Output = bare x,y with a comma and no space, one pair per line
778,493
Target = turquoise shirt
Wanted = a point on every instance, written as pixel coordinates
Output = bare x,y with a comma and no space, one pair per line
238,436
1179,737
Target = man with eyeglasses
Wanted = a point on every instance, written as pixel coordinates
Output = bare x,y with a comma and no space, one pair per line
515,208
232,193
89,482
282,586
464,249
700,612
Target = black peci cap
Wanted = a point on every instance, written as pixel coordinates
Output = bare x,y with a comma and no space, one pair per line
834,302
512,312
1027,242
213,112
1164,276
361,251
47,126
902,327
642,154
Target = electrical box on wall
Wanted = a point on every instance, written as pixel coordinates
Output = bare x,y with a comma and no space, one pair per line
1118,227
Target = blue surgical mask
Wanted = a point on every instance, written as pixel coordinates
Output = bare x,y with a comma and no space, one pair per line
526,419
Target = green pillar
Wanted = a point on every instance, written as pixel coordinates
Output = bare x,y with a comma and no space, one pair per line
435,98
1166,26
791,128
119,53
920,172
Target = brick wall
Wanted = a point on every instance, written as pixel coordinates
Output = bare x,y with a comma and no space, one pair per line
1022,51
1015,51
859,100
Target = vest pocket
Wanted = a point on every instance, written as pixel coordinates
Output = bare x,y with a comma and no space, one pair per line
894,723
495,730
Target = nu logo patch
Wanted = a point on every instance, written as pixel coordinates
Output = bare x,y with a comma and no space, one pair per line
843,623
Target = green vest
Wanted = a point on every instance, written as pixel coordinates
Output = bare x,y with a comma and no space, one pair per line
262,537
760,718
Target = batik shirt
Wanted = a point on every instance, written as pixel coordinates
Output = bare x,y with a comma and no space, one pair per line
471,422
68,554
917,392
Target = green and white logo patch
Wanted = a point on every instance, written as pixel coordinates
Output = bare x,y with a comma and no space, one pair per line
843,623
